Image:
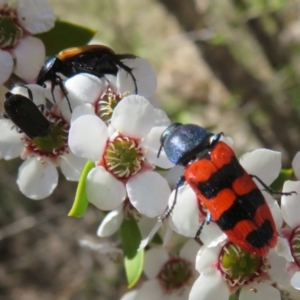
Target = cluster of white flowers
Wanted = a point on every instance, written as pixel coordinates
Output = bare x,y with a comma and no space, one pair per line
113,122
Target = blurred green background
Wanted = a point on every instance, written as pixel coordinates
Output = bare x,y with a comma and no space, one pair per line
230,65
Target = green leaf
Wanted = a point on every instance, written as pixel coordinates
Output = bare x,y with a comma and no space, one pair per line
284,175
65,35
232,297
133,259
81,201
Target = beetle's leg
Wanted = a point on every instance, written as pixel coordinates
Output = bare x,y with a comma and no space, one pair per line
268,189
207,220
170,209
59,82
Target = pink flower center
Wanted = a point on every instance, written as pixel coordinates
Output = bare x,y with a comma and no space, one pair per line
123,157
10,30
295,245
175,274
54,144
238,266
104,107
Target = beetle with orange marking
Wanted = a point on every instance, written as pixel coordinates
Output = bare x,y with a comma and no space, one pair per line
221,184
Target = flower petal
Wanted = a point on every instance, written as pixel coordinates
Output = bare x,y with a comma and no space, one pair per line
11,143
259,291
71,166
185,218
36,16
37,92
264,163
277,271
209,286
134,116
144,74
283,249
189,251
151,145
104,190
155,258
84,109
37,178
111,223
207,257
6,65
150,290
290,205
161,118
130,295
295,281
82,88
212,235
30,55
88,137
296,165
148,192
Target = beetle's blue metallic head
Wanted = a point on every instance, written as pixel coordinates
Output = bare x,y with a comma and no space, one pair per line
182,143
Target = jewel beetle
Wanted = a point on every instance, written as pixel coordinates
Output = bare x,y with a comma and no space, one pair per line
229,193
98,60
23,112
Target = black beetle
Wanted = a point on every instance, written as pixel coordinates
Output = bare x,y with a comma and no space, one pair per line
97,60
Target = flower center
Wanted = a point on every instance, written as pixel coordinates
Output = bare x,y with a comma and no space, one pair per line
175,274
53,144
10,30
239,266
295,245
123,157
104,107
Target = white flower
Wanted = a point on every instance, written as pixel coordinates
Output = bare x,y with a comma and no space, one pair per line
113,220
189,213
30,17
290,208
169,276
38,176
225,269
104,93
124,154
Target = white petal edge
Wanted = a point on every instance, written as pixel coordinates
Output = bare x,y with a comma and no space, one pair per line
144,74
38,93
264,163
189,251
130,295
259,291
87,137
37,178
71,166
133,116
36,16
150,290
155,258
6,65
81,110
290,205
11,144
148,192
209,286
185,215
104,190
111,223
207,257
151,146
295,281
30,55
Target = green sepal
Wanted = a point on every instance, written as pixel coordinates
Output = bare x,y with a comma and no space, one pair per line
65,35
233,297
81,201
284,175
133,259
